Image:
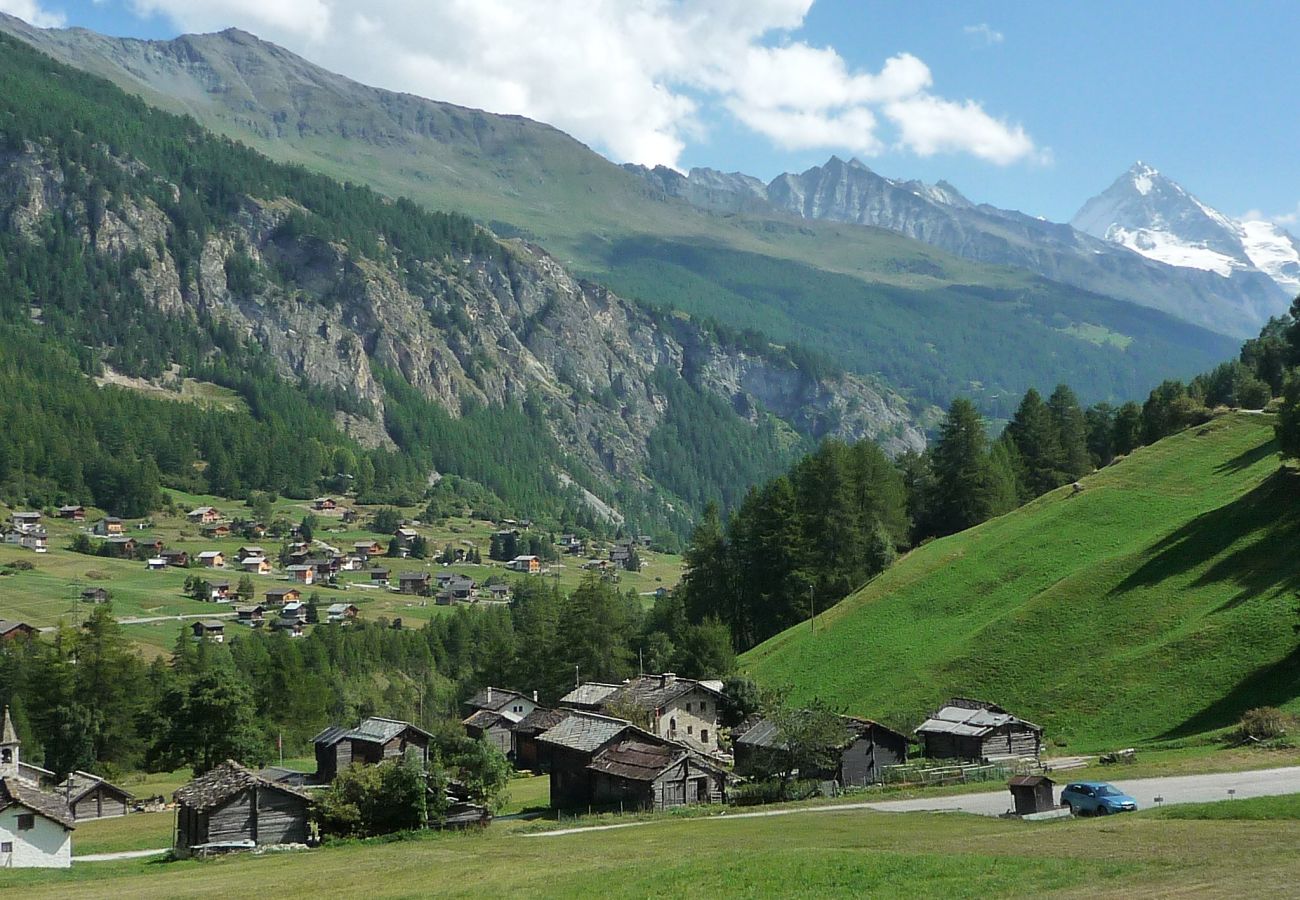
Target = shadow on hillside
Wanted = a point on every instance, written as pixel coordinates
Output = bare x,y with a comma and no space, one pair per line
1269,562
1272,685
1247,459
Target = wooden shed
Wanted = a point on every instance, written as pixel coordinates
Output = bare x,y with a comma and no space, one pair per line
91,797
1031,794
375,740
976,730
232,805
867,748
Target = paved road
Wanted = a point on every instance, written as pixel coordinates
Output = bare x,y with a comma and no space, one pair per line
144,620
113,857
1174,789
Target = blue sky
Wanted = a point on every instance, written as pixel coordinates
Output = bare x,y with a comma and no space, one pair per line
1064,97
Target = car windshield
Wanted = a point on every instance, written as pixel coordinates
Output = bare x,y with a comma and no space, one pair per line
1106,790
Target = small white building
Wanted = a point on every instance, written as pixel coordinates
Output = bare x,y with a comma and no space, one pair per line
35,827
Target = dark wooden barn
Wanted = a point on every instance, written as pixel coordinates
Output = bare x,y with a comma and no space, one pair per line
1031,794
91,797
529,753
975,730
373,741
867,748
602,761
231,805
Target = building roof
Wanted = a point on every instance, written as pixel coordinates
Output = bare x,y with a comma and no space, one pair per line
210,554
8,734
967,721
493,698
374,730
592,693
79,784
226,780
338,608
14,792
1029,780
211,624
282,591
486,718
764,732
585,731
636,760
414,576
653,692
8,625
541,719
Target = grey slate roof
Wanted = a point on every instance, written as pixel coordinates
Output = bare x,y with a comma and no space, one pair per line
593,693
965,721
653,692
226,780
584,731
375,730
501,697
636,760
764,732
14,792
79,784
541,719
8,625
486,718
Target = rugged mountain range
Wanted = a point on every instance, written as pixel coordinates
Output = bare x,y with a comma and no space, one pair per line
1155,216
1233,299
177,225
877,301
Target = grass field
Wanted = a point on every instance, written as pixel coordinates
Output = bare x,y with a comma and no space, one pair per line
853,853
1155,605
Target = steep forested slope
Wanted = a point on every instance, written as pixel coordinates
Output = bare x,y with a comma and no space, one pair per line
1157,603
132,238
933,321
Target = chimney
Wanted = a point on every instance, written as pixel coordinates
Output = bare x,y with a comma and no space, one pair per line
667,678
489,694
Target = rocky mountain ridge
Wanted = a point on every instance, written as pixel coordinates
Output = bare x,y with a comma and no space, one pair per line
510,327
1153,215
1235,301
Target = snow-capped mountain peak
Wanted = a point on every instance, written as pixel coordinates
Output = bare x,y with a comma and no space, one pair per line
1155,216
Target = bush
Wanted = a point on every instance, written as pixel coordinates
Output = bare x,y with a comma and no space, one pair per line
1265,723
365,801
761,792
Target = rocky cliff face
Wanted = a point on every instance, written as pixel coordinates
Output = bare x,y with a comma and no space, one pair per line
491,330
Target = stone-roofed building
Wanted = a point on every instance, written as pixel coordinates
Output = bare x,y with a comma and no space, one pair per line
677,709
233,806
598,760
10,628
866,749
375,740
495,699
528,752
497,728
35,827
91,797
976,730
588,696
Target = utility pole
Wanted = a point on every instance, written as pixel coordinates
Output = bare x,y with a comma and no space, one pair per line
812,609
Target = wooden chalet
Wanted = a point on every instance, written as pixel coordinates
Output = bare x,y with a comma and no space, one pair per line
212,559
976,730
530,564
248,550
91,797
155,564
109,525
203,515
11,629
75,512
368,548
341,612
379,576
324,504
375,740
25,521
413,583
209,630
866,749
219,591
95,595
602,761
216,530
255,565
302,574
252,616
528,752
173,557
231,807
282,595
122,545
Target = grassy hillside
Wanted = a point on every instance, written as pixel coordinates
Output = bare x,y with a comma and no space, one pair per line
821,854
1156,604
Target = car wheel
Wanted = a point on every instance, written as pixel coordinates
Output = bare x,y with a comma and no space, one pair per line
1101,811
1074,810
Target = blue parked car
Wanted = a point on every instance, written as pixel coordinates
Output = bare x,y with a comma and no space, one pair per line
1096,798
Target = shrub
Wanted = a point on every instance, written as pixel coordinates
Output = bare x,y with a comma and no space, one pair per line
760,792
1264,723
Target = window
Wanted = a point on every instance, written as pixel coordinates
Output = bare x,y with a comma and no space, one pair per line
704,735
690,729
7,847
704,706
26,822
6,755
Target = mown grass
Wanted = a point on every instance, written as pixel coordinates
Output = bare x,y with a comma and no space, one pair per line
138,831
1254,808
844,853
1155,605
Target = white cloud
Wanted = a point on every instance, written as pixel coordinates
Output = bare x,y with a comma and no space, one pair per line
32,13
1286,219
984,33
636,78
